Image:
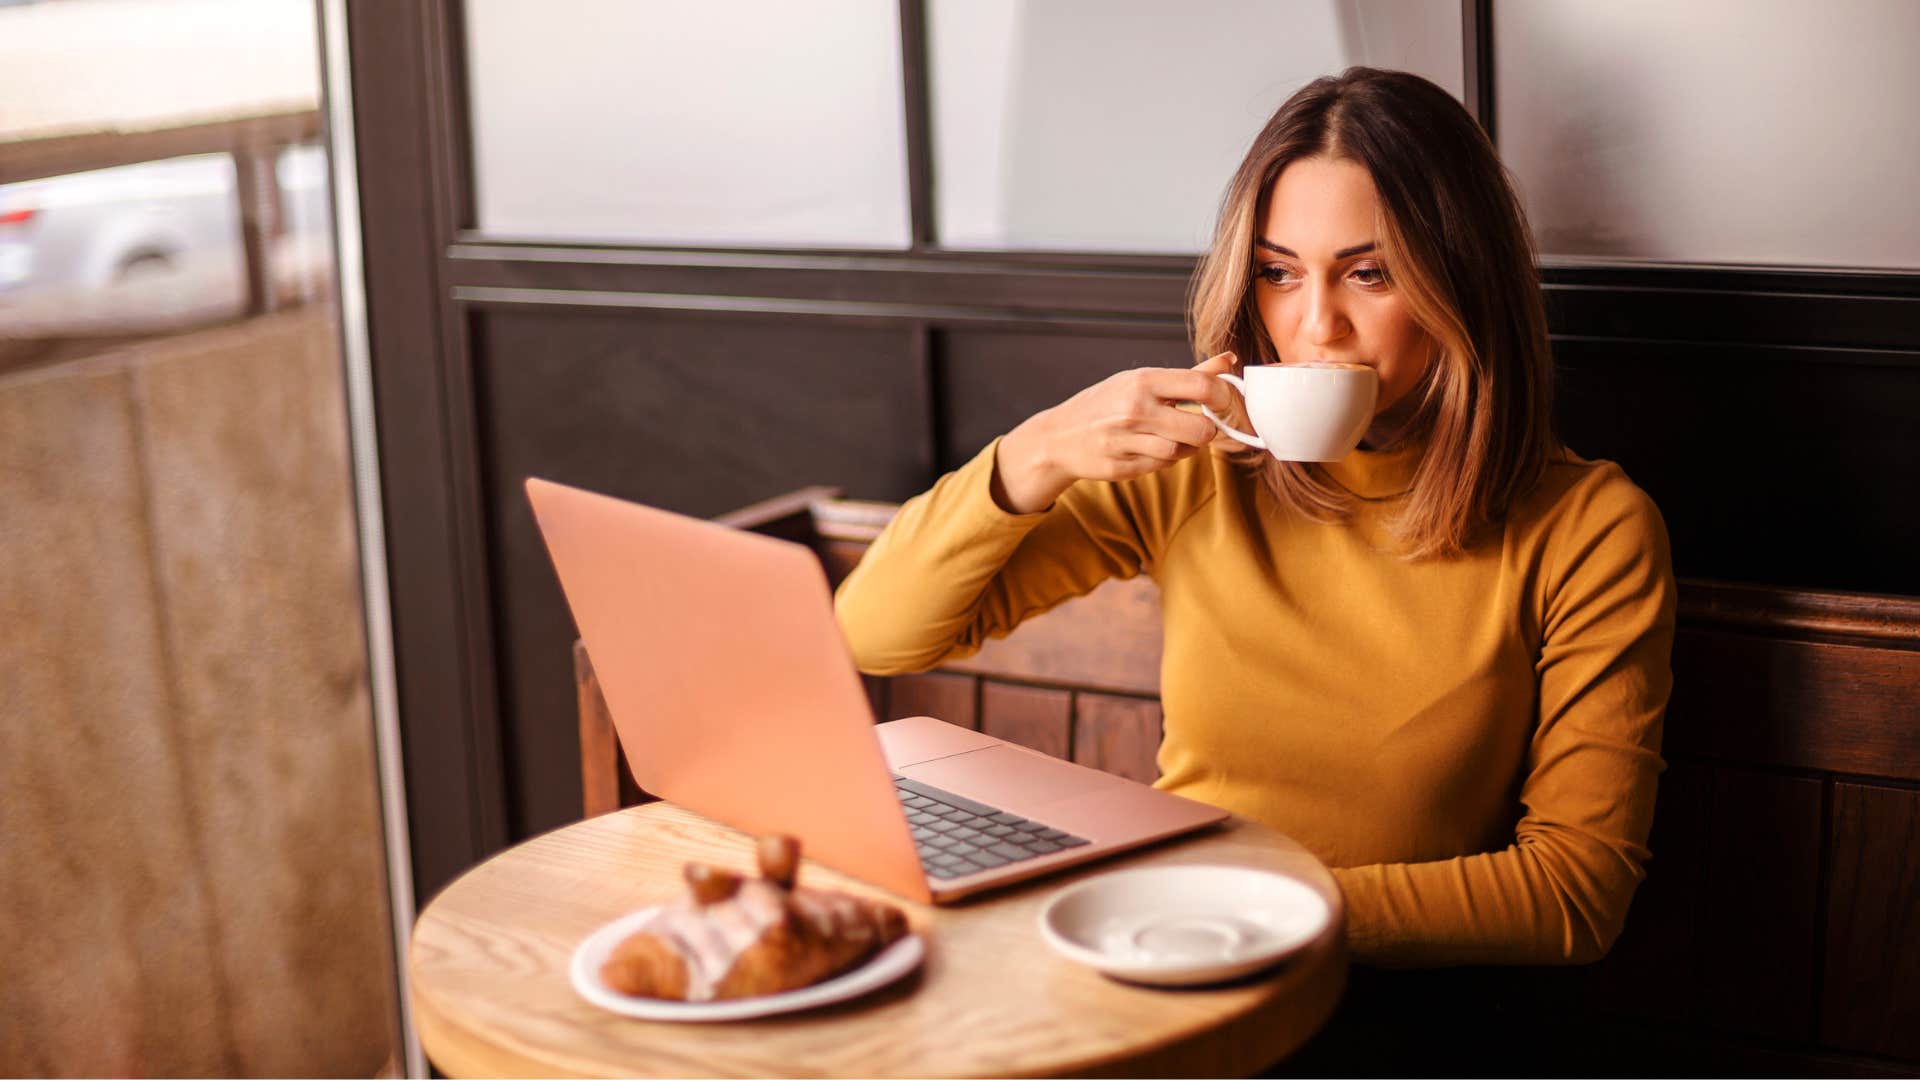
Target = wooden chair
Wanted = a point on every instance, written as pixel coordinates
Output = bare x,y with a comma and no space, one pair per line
1777,928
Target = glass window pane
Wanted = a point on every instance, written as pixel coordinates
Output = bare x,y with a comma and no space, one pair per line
743,122
187,750
148,248
1114,125
1728,131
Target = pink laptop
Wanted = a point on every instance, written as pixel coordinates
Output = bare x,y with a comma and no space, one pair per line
734,696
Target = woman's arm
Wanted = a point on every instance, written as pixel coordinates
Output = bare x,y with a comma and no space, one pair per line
1028,523
1559,894
1120,428
953,569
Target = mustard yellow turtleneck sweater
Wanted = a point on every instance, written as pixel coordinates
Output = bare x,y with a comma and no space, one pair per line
1471,744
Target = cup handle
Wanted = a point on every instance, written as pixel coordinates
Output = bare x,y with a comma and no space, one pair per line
1254,441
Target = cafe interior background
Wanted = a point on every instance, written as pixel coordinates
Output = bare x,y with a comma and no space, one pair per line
293,294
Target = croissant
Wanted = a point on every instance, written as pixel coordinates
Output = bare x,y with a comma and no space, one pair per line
733,937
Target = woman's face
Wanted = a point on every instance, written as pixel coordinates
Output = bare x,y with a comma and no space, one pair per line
1322,289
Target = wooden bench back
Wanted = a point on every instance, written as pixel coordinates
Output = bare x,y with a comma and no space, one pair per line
1783,899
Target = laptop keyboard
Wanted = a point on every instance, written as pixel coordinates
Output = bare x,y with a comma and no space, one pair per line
957,836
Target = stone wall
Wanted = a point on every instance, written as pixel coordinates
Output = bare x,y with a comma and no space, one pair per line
192,876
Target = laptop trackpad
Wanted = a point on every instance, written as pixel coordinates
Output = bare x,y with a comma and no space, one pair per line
1016,780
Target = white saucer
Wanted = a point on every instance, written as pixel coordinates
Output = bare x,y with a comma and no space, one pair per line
1184,925
887,965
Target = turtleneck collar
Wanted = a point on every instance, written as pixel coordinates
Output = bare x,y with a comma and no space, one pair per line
1378,474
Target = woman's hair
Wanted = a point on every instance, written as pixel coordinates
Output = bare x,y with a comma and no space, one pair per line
1457,250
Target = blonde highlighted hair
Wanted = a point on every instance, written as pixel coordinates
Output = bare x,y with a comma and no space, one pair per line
1457,250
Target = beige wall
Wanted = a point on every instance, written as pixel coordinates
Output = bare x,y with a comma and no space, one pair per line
191,877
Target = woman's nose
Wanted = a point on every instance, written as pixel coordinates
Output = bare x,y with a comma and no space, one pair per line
1324,321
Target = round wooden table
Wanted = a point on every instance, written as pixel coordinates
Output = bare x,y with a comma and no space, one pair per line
488,975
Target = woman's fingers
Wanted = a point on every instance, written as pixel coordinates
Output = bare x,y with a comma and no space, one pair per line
1186,428
1153,448
1198,384
1132,423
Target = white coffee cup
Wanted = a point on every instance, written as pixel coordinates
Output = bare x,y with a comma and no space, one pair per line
1304,412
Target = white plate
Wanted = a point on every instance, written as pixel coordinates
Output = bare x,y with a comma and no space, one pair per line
1184,925
884,967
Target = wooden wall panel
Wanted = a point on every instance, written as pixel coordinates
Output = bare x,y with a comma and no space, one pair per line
1818,495
1757,714
697,415
939,694
991,380
1872,985
1653,969
1759,920
1032,716
1115,734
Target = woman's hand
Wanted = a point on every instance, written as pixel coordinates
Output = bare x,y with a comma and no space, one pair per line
1124,426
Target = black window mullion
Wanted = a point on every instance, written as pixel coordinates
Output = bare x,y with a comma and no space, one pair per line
913,75
1476,42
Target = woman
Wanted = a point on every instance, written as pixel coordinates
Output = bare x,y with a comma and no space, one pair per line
1441,663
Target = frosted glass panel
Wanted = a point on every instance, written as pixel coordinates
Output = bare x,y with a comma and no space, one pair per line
1114,125
731,122
1733,131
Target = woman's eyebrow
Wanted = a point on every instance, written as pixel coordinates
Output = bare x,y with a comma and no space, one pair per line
1343,253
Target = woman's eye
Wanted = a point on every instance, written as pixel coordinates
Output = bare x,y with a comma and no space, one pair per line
1369,275
1275,275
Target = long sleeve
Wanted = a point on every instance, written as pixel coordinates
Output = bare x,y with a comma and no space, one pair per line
1559,893
953,569
1471,743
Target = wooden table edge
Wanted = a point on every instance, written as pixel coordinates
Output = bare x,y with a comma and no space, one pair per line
1237,1047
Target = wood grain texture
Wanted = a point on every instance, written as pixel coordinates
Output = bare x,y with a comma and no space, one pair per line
599,745
1872,985
1857,618
1033,716
1120,735
1107,640
1758,936
939,694
606,783
1796,704
491,995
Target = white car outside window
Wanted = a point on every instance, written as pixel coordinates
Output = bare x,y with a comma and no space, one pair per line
93,229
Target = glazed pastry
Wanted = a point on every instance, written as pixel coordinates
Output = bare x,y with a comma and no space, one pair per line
735,937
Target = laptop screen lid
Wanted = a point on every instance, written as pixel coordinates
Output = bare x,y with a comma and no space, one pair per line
728,679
